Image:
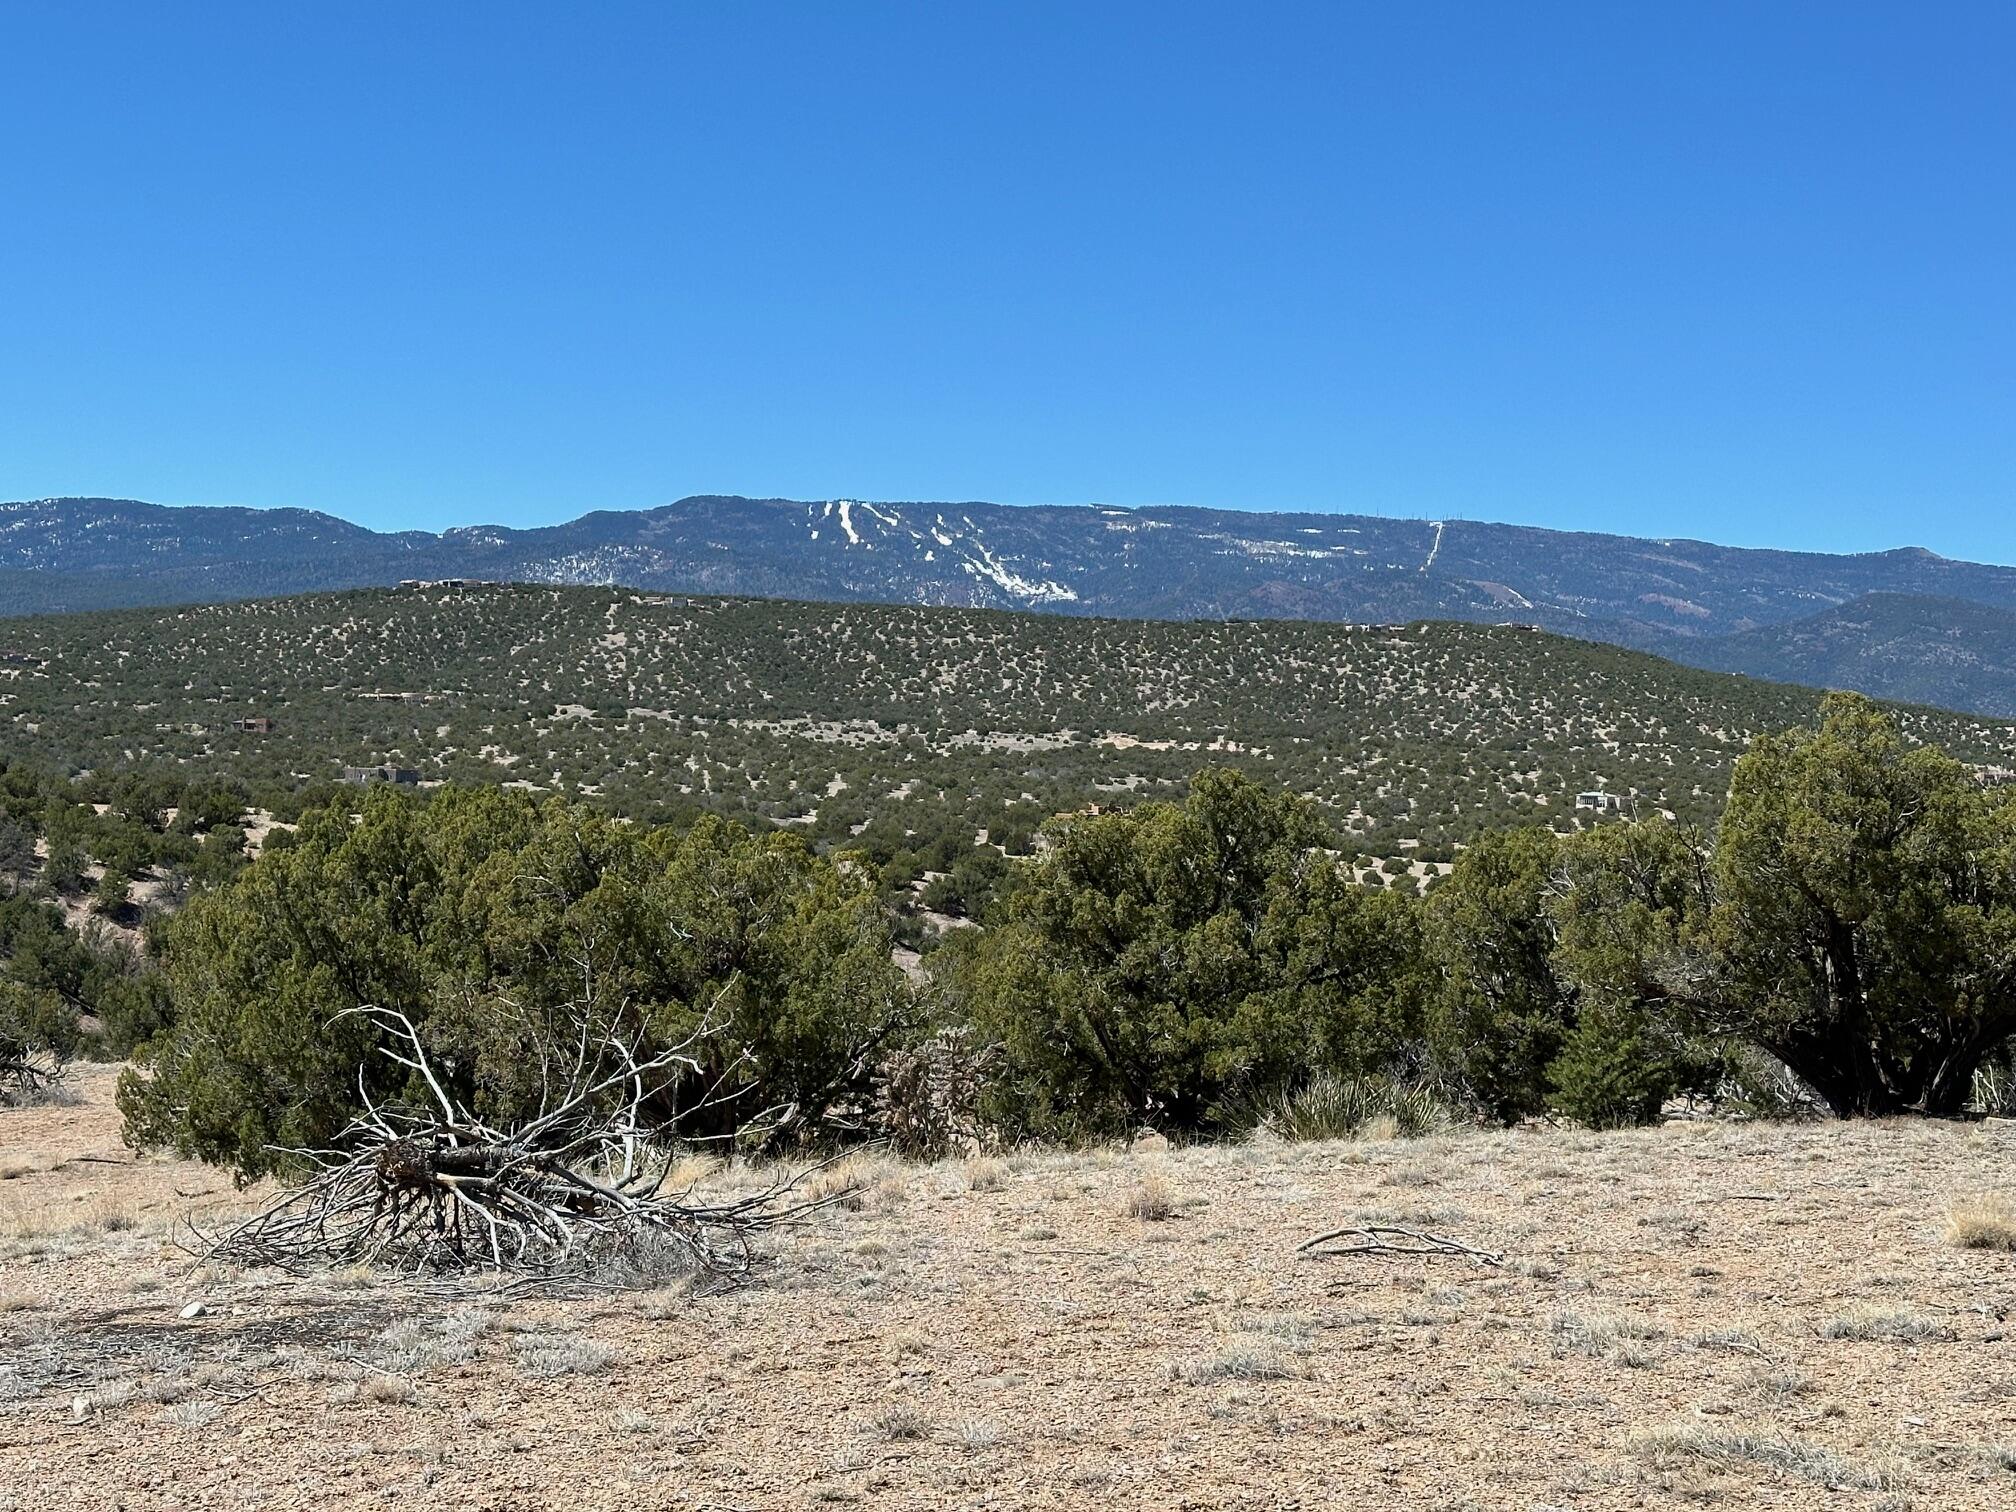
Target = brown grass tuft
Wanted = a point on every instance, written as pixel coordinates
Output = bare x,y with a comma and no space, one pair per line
1151,1199
1986,1221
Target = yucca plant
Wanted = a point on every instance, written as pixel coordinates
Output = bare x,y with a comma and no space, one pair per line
1339,1107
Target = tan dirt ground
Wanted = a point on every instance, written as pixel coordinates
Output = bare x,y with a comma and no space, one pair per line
1008,1334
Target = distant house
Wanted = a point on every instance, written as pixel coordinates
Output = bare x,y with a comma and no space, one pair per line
1599,801
384,772
258,724
1994,776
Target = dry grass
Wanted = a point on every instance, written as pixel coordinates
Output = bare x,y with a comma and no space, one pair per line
417,1344
544,1356
1984,1222
1265,1348
1035,1341
193,1414
690,1171
902,1424
1733,1450
1614,1334
83,1213
858,1183
1151,1199
979,1435
388,1391
662,1303
985,1174
1380,1128
1884,1325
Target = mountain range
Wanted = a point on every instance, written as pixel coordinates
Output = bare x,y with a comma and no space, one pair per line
1904,624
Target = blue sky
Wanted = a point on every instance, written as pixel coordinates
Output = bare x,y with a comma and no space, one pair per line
1744,272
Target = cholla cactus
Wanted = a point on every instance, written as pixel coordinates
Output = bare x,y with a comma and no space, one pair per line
927,1097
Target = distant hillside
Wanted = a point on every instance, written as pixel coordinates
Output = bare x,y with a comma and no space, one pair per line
1165,563
1941,651
835,716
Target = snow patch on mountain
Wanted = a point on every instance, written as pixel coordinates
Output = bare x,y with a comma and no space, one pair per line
603,567
1033,590
847,522
1249,547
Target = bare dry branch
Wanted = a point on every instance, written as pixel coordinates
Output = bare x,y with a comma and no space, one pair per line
1391,1239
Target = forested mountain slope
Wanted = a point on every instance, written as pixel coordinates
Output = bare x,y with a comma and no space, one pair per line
1176,563
1931,650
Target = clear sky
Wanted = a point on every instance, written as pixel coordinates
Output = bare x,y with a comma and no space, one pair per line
1738,271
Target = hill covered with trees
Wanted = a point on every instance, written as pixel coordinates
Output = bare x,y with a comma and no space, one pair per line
846,719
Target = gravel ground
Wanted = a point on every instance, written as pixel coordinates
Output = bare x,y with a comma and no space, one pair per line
1696,1315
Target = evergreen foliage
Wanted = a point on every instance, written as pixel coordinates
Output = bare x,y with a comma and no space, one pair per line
479,902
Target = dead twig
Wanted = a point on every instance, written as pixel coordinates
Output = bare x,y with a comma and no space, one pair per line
1391,1239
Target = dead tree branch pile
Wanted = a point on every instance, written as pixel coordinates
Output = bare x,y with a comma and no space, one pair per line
27,1070
580,1190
